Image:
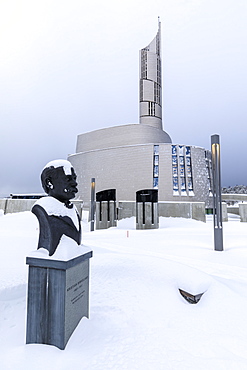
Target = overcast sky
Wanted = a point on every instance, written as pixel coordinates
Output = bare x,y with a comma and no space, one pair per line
68,67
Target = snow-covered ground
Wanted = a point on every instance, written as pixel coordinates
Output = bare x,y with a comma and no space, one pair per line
138,319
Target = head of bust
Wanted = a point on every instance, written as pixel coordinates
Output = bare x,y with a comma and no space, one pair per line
58,180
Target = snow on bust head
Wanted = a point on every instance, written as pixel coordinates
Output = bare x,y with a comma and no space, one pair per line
67,166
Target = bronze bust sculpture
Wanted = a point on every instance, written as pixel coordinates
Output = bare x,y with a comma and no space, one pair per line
57,216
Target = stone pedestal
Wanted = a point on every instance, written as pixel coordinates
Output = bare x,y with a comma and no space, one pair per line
58,297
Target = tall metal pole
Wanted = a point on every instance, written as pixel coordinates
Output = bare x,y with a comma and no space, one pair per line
217,206
92,203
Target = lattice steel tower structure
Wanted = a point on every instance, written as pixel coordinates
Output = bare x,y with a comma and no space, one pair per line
150,83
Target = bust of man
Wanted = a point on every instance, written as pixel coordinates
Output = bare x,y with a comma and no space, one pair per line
57,216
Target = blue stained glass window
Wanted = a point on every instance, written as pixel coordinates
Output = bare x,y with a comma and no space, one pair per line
174,171
174,160
156,160
188,161
155,182
156,171
174,149
156,166
190,186
182,170
182,182
175,183
156,149
187,150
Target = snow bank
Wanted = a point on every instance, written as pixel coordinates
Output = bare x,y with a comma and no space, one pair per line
138,319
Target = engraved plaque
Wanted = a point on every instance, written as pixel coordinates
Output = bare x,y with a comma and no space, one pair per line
76,296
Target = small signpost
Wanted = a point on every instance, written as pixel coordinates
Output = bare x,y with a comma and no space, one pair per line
217,206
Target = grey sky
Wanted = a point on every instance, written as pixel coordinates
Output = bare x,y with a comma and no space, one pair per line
68,67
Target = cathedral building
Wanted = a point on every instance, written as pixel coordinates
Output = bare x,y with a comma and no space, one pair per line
139,156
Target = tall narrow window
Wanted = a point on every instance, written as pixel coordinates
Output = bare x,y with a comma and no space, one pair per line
189,170
144,64
159,71
182,170
151,108
175,170
141,90
156,167
157,45
156,93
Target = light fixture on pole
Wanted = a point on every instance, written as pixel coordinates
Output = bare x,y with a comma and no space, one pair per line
92,203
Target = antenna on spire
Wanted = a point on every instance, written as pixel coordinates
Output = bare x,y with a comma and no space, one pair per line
158,20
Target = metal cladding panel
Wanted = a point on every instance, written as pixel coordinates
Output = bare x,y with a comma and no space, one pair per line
158,111
148,90
153,121
112,137
144,108
152,67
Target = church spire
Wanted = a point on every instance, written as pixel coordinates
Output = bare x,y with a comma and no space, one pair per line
150,82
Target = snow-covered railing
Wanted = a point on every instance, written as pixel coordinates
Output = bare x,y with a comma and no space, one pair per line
234,197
